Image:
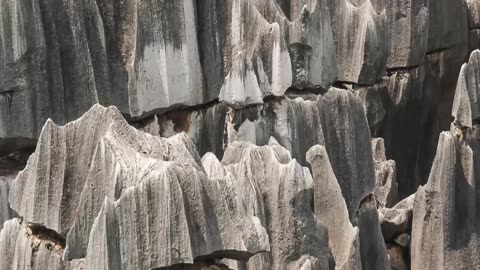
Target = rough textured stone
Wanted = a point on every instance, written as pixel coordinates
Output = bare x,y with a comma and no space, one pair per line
5,213
22,248
361,40
377,104
443,33
348,143
330,207
466,105
398,219
445,221
445,214
385,174
473,13
204,126
221,76
59,58
100,158
210,210
294,123
279,191
373,251
407,25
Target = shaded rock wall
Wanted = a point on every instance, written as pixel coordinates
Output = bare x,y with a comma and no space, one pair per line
259,88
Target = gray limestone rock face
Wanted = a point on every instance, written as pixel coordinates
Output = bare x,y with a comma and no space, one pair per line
466,104
5,212
348,143
445,213
445,219
294,123
205,126
360,33
377,104
80,170
474,37
473,13
397,220
330,207
385,174
402,126
308,33
58,58
23,248
276,189
407,24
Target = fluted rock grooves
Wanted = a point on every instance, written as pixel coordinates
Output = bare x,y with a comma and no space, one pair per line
240,134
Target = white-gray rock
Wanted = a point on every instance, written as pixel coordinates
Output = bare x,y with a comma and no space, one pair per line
385,174
361,40
407,27
276,189
445,220
330,207
466,105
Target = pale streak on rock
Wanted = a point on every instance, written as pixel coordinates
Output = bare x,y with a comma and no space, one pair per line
276,189
361,40
397,219
407,25
348,143
466,105
386,175
445,222
330,207
21,251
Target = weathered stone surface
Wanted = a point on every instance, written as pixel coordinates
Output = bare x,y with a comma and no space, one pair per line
397,219
335,119
348,143
385,174
377,104
23,248
445,221
98,158
294,123
131,182
4,205
206,127
373,251
445,215
407,25
473,13
474,36
308,33
361,40
146,57
279,191
330,207
444,33
466,104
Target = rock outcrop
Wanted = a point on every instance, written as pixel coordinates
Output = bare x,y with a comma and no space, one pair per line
385,174
445,217
118,198
331,208
281,98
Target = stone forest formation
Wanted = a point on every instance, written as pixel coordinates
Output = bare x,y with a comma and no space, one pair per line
240,134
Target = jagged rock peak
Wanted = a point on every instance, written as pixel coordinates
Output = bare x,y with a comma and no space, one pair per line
87,179
466,105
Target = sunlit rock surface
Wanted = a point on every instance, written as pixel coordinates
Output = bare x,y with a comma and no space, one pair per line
252,86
